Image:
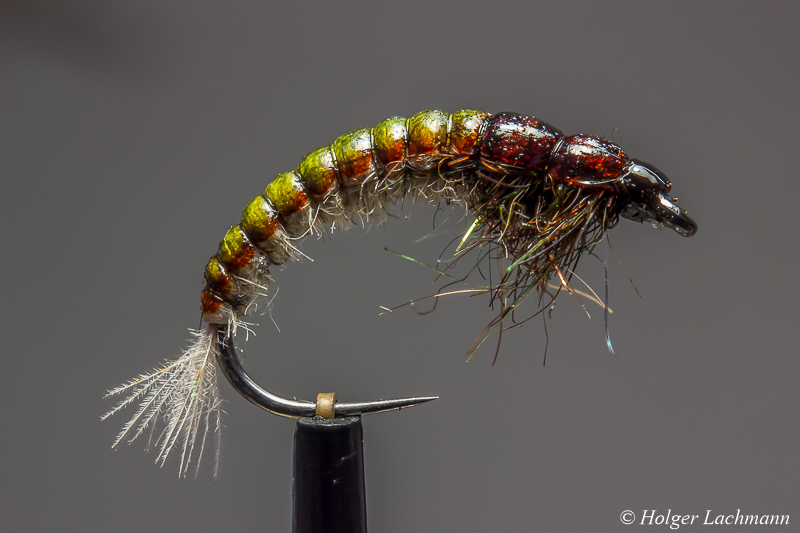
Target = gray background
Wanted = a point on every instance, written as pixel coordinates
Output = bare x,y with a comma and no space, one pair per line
134,133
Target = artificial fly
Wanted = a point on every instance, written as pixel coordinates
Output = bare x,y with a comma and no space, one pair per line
538,201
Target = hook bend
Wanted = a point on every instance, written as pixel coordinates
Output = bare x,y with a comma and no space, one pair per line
233,370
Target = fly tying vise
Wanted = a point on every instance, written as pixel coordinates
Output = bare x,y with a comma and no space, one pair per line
538,200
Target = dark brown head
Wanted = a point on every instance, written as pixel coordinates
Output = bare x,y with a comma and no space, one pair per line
642,190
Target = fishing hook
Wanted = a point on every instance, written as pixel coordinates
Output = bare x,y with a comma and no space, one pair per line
232,367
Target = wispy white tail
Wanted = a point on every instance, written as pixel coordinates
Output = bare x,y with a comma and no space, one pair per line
185,394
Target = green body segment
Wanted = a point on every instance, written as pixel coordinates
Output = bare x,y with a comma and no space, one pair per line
260,220
235,249
353,153
318,172
287,194
340,168
389,138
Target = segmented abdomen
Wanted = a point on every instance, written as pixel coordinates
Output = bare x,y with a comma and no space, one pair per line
432,155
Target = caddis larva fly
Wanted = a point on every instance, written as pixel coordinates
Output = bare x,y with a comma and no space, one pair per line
536,199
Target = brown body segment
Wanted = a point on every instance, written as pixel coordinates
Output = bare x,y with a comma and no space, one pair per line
466,127
210,304
587,159
427,133
519,141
